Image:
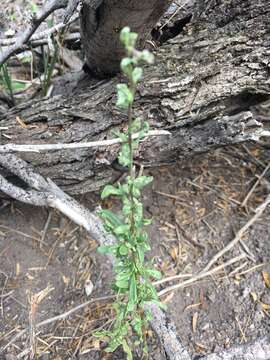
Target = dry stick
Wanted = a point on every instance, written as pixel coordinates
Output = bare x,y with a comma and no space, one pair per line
11,148
57,199
42,36
258,212
255,185
201,275
74,36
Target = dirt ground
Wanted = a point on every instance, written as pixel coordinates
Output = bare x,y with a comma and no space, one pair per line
196,207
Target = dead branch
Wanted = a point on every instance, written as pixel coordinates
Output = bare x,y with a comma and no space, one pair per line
200,275
11,148
42,36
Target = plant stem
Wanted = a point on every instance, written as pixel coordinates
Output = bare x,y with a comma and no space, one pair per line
130,144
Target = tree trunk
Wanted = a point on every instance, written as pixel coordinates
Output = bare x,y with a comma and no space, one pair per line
201,88
101,23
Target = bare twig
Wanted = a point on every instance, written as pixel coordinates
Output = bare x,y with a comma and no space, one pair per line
200,276
46,226
258,212
11,148
34,302
42,36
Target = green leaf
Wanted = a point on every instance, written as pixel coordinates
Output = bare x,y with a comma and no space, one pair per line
137,324
122,229
138,213
141,181
127,66
122,136
33,7
124,96
107,249
113,344
110,190
122,284
123,250
132,39
136,192
140,252
127,206
154,273
124,35
132,299
137,74
110,217
127,349
102,333
147,57
124,155
136,125
147,222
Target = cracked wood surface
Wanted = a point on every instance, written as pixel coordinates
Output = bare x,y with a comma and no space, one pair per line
201,88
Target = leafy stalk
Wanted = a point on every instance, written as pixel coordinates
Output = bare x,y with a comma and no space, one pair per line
7,81
133,274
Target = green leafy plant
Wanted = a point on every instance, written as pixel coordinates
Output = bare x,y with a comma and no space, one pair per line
6,81
133,274
50,59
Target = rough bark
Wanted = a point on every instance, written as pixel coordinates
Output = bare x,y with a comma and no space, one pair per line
201,88
101,22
